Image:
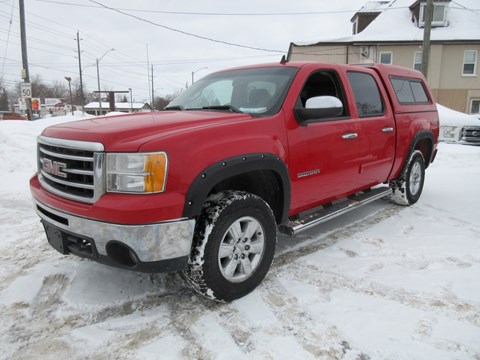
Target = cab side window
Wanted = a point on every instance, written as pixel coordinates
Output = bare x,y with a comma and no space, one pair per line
322,83
367,95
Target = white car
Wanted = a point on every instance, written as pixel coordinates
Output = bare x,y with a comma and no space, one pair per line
458,127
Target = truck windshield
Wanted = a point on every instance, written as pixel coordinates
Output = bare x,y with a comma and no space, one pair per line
253,91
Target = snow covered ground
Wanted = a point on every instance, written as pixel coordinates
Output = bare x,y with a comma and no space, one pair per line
384,282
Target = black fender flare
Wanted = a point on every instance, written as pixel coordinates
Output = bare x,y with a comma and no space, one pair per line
214,174
421,135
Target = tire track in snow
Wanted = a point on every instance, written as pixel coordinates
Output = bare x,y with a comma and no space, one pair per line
31,325
318,276
297,322
328,280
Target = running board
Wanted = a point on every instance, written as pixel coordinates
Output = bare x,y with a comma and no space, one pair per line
325,213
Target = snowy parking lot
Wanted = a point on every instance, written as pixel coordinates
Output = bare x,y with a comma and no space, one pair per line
383,282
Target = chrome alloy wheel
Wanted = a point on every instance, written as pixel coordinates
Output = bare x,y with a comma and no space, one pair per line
415,180
241,249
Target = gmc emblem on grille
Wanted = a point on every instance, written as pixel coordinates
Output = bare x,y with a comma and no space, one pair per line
53,167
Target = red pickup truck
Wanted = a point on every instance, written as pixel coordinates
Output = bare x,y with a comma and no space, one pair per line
204,185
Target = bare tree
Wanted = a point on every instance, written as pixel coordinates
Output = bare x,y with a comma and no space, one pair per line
4,103
57,90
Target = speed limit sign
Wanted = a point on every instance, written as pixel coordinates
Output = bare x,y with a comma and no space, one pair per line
26,89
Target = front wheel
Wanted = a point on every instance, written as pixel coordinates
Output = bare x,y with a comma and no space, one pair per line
233,245
407,189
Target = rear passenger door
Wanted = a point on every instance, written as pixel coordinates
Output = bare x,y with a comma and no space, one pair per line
375,128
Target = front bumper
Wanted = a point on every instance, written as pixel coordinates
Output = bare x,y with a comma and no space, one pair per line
158,247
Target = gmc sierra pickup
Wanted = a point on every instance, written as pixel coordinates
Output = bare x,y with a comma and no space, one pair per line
203,186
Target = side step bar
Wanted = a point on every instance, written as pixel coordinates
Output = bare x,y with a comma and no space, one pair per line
325,213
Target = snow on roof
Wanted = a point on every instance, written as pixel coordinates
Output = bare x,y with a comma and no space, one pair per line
118,105
374,6
395,24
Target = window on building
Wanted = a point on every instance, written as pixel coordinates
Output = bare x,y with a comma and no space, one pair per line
475,106
470,62
386,57
439,15
367,95
417,60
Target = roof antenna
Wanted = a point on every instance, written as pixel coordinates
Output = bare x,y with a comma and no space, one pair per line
284,60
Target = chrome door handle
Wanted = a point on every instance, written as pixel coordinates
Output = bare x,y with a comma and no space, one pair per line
387,129
349,136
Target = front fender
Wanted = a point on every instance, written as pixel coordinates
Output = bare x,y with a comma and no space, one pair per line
231,167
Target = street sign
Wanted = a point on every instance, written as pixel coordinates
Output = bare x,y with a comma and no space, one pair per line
26,89
22,104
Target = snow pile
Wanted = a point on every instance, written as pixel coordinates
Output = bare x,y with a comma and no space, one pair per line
18,149
383,282
449,117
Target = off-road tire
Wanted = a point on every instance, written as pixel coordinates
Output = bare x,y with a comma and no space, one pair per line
407,189
243,226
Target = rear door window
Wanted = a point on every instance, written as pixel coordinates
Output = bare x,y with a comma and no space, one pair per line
367,95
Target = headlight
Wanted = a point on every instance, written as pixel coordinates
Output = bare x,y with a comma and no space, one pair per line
137,172
448,131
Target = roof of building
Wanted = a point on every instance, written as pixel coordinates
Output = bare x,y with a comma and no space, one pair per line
118,105
395,24
374,6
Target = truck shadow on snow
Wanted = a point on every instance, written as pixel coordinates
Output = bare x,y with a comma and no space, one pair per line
97,286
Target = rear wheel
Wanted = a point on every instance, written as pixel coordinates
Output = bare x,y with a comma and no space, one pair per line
407,190
233,246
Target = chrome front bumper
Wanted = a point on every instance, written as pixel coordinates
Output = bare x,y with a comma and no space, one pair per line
145,244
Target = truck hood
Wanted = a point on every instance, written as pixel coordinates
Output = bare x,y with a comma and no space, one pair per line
130,132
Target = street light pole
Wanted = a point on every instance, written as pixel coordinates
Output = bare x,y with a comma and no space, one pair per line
131,100
99,93
82,96
69,79
193,73
98,80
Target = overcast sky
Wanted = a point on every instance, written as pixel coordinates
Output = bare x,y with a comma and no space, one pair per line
263,36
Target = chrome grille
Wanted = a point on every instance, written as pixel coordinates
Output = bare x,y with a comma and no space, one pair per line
471,134
71,169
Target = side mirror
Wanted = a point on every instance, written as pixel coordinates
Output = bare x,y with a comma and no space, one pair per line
319,107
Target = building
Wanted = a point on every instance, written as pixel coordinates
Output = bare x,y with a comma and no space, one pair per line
391,32
93,108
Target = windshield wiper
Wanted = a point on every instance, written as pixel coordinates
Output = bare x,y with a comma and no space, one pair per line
222,107
176,107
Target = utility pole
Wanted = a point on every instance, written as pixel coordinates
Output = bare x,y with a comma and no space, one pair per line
82,96
426,37
25,72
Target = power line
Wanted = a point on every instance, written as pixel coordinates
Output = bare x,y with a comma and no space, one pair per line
8,37
461,7
301,13
185,32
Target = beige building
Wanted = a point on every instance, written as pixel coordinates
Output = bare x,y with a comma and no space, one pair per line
391,32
